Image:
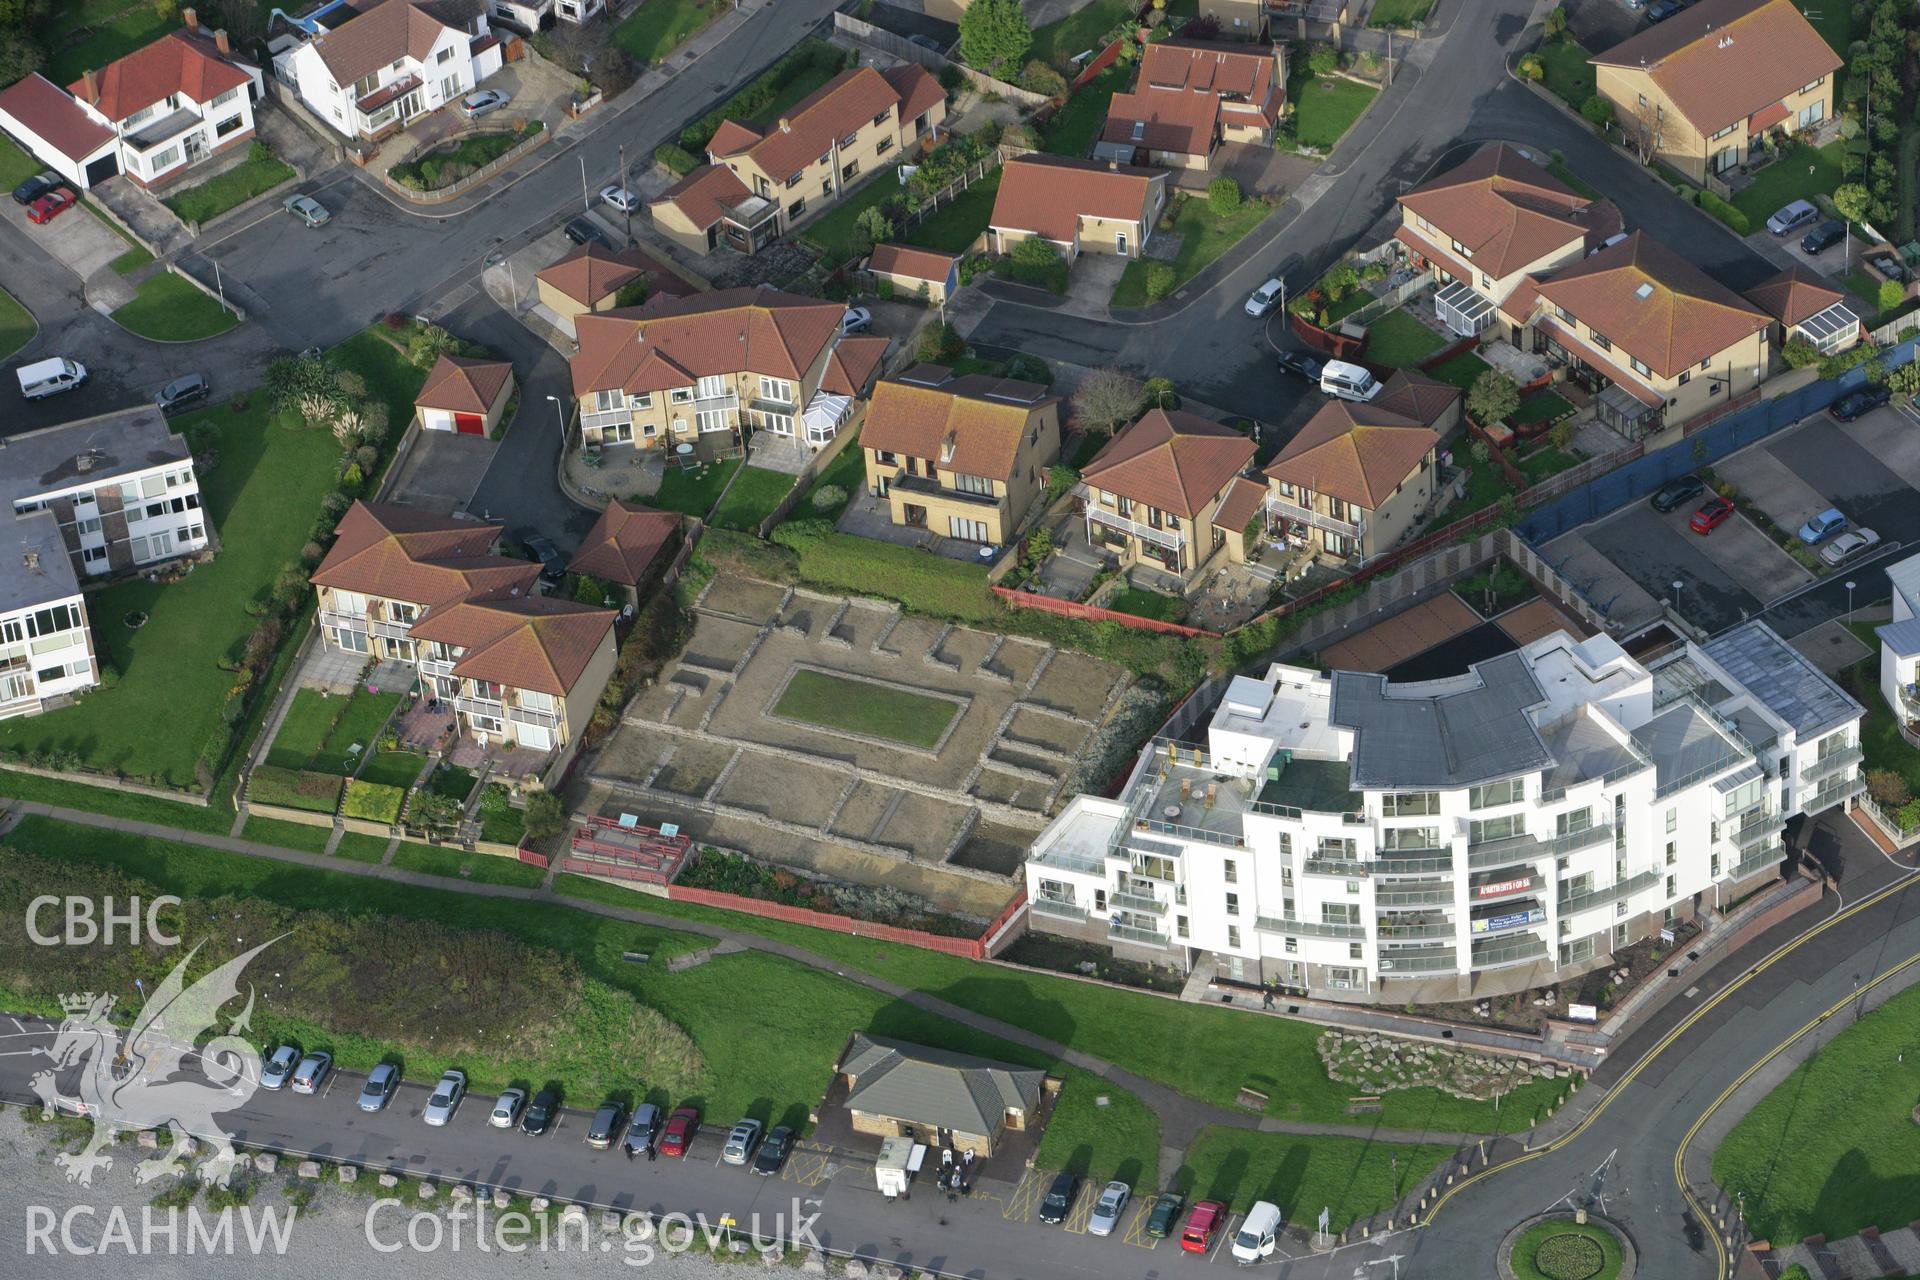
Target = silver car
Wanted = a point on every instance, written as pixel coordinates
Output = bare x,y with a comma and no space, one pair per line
1107,1210
381,1082
312,1072
475,105
308,210
741,1140
278,1066
446,1098
507,1108
620,198
1265,297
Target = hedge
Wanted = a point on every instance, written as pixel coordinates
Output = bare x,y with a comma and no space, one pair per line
675,160
758,93
295,788
374,801
1720,209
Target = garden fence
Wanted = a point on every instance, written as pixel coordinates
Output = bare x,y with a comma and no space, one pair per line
933,60
842,439
980,948
1092,613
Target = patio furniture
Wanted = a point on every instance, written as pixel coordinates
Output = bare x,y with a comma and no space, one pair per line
1213,791
1186,788
1170,812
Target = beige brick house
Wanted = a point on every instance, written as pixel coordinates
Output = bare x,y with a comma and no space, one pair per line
1708,83
961,457
892,1087
1154,495
1091,206
715,366
1192,95
1359,477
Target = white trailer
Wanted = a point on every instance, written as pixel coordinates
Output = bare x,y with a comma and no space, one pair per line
900,1159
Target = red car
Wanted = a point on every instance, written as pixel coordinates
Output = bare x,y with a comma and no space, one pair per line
1204,1219
1711,514
51,205
678,1135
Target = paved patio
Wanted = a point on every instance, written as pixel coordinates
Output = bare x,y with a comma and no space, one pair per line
331,669
868,517
778,453
624,470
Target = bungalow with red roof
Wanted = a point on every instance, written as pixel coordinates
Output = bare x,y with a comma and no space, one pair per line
1091,206
464,394
518,669
702,371
915,273
591,277
626,547
152,115
1155,494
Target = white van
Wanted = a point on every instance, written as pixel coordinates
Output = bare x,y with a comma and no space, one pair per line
1258,1234
1348,381
50,377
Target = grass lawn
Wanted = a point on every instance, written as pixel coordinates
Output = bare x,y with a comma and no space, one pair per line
17,325
170,309
658,27
1399,13
1148,604
1544,406
1544,462
1801,173
500,822
114,29
452,781
208,200
833,233
394,768
1563,1247
1325,106
1835,23
754,495
1204,237
1559,170
960,222
1350,1177
1399,341
132,260
16,166
1880,739
1074,127
1570,77
482,868
1486,485
691,492
1079,32
359,725
847,472
308,721
361,848
1832,1149
1461,370
288,835
855,706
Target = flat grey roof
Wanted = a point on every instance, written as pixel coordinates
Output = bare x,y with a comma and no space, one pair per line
1902,637
48,460
1783,678
1684,743
1441,733
52,578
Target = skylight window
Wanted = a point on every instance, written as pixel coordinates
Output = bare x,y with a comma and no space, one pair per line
1644,291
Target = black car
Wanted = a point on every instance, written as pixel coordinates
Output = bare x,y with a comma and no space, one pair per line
1678,493
1059,1198
35,187
1854,403
584,230
1301,365
1661,10
541,1113
1165,1215
1823,237
553,565
181,392
773,1152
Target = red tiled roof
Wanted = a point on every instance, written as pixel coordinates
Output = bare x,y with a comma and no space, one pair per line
175,63
403,554
1720,61
919,90
1767,117
1171,460
1359,453
1794,295
50,113
589,272
732,137
1048,195
536,642
1243,499
705,195
1177,120
913,264
972,425
462,384
1505,209
854,361
1245,71
757,330
1652,304
624,542
811,126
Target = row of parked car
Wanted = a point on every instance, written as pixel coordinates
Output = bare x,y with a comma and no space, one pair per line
1716,511
1256,1239
649,1131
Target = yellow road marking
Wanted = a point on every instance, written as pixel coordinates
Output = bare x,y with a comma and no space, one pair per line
1026,1193
1081,1209
1136,1233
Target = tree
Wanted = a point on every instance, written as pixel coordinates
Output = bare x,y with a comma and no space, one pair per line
427,343
994,34
873,226
1324,60
1560,434
1645,129
1852,199
1158,393
546,816
938,342
1597,111
632,293
1892,294
1035,261
1556,24
1106,398
1162,280
1223,197
1025,368
1533,67
1493,398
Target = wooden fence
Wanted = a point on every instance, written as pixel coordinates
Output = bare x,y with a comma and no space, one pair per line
442,194
932,59
980,948
1091,613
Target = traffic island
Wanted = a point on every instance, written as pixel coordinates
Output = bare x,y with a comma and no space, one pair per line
1576,1246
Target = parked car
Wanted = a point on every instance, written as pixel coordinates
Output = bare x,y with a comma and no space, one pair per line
642,1129
278,1066
506,1108
1164,1214
1197,1235
49,377
1711,515
1301,365
584,230
925,42
1856,402
1265,297
619,197
1823,526
1677,493
857,320
1848,545
1108,1208
1608,243
181,392
35,187
1259,1234
446,1098
381,1082
312,1072
475,105
1059,1198
1823,237
553,565
678,1135
605,1126
1791,217
50,206
541,1113
773,1152
1347,381
1661,10
741,1140
310,211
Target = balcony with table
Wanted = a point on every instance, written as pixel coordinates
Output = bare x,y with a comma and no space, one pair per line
1171,539
1278,510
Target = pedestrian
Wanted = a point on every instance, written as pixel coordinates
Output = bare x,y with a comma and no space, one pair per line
651,1154
629,1151
1266,996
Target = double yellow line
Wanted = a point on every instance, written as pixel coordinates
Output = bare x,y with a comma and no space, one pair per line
1686,1024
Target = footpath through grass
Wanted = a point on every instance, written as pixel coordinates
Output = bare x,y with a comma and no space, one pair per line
167,308
876,711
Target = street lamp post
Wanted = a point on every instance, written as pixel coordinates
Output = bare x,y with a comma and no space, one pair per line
586,201
626,196
559,416
1677,585
1850,586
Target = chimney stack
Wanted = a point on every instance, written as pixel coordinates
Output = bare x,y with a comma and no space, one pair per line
90,81
221,43
190,17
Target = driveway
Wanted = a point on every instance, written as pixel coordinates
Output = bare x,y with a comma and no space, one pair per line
83,243
443,470
1656,553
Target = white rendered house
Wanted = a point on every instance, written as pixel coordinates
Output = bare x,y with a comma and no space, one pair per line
369,67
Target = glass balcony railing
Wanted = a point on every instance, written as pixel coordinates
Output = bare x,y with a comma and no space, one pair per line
1057,910
1309,928
1611,893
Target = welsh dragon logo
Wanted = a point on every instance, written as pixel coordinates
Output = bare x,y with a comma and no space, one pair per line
158,1075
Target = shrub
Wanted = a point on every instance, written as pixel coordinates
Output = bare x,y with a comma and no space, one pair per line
1340,280
546,816
1223,197
1324,60
1162,280
760,91
1892,294
1556,23
940,342
1888,788
1598,111
1035,261
1060,479
373,801
1720,209
1799,353
1028,368
1158,393
1533,68
1038,77
294,789
675,159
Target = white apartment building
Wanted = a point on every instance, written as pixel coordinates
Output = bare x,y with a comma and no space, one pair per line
1900,648
1450,839
368,67
46,655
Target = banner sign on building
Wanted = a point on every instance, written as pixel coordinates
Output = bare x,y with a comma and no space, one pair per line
1510,920
1494,888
